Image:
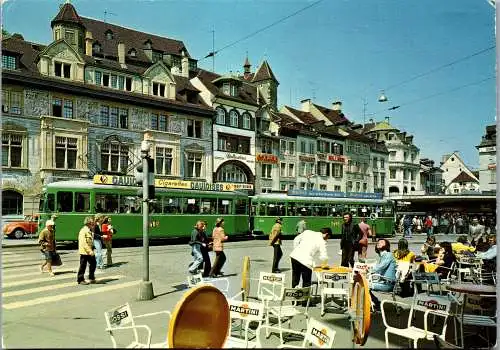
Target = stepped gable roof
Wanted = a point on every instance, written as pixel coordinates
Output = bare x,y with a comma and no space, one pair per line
26,51
132,39
305,117
334,116
264,73
247,93
464,177
68,14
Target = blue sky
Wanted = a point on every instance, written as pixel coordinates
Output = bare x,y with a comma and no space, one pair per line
337,50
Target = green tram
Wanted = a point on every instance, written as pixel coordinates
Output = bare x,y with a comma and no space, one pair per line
318,212
172,215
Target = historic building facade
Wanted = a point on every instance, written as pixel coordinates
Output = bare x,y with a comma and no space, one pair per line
82,105
487,160
404,157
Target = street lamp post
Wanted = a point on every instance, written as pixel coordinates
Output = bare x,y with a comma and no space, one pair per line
146,286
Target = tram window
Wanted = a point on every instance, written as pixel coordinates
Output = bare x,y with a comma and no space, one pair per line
322,210
171,205
51,201
240,206
224,206
208,206
291,209
65,202
304,210
191,206
262,209
82,202
155,206
108,203
253,210
281,210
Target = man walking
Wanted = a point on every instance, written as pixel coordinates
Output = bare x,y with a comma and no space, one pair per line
87,255
47,243
351,234
199,250
275,242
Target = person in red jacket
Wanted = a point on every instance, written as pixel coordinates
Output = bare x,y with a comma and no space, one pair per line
107,231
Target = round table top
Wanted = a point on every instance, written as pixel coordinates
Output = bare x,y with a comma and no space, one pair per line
333,269
469,288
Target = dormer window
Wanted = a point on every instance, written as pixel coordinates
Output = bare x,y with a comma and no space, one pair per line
9,62
62,70
96,48
176,61
159,89
157,56
70,37
148,45
132,53
230,89
109,34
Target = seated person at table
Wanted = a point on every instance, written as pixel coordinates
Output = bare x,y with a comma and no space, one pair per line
403,253
443,262
385,268
462,246
429,247
491,253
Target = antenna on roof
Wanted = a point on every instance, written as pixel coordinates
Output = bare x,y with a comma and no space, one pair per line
106,12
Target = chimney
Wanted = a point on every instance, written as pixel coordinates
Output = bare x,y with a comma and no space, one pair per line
121,55
88,43
337,106
306,105
185,65
387,119
370,120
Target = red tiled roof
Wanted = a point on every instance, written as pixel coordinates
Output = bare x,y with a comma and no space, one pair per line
264,73
464,177
247,94
67,13
336,117
131,38
306,117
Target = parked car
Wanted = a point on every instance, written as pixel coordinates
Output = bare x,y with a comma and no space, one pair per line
18,229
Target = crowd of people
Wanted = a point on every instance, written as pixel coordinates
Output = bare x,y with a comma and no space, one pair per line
446,223
97,232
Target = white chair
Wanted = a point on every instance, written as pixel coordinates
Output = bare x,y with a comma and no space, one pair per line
335,284
429,279
270,287
245,312
287,308
428,304
121,319
317,334
477,311
465,264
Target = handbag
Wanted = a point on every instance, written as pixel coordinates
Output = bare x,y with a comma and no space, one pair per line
56,260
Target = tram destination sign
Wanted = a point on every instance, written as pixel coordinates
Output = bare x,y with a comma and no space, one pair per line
335,194
178,184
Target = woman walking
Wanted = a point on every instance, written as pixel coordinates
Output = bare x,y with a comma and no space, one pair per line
218,237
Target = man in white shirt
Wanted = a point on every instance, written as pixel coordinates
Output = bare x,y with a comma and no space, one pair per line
307,247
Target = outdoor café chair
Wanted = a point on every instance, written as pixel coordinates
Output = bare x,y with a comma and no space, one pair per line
245,312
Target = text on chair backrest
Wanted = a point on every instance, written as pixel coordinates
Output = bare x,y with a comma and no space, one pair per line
437,303
272,278
245,310
296,294
319,334
120,316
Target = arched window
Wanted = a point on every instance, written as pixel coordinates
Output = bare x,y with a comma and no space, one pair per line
132,53
233,118
247,121
221,115
231,173
393,189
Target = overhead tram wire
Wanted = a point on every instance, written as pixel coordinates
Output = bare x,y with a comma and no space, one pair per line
418,76
431,96
213,53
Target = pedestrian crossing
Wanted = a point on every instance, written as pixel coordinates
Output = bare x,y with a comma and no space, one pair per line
24,285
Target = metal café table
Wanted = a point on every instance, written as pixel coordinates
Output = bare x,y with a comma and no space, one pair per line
470,289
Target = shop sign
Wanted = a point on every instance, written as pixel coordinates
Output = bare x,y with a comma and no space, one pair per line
169,183
321,156
236,156
307,159
335,194
492,166
266,158
337,158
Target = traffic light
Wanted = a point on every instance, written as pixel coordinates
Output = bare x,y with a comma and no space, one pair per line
143,179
